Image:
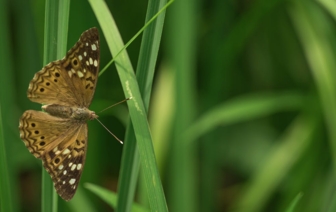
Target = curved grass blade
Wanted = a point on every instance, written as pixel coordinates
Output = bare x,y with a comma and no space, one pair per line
145,72
294,202
111,198
136,106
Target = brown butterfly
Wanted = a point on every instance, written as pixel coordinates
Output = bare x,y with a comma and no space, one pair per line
58,136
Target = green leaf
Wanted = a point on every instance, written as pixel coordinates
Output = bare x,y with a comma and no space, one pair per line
136,106
294,202
56,29
244,108
111,198
145,72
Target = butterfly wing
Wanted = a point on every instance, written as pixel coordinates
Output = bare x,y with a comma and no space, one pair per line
60,144
39,131
72,80
66,167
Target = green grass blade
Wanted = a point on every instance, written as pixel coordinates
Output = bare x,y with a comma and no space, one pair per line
9,123
136,106
295,201
81,201
285,153
149,47
145,72
128,172
5,194
182,42
111,198
56,29
153,14
243,109
330,6
321,59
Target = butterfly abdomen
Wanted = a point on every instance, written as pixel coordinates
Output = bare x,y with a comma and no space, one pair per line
66,112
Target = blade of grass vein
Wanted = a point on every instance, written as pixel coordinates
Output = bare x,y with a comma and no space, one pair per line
145,72
136,107
136,35
56,29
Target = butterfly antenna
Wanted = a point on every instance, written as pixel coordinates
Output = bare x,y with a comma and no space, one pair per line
117,103
106,127
110,132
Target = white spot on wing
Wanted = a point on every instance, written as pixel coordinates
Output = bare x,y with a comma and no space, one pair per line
65,171
91,61
72,181
70,164
79,166
80,57
73,167
87,63
70,74
60,167
63,182
66,151
95,63
94,47
85,54
55,149
80,74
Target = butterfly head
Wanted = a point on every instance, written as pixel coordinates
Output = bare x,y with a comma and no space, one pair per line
83,114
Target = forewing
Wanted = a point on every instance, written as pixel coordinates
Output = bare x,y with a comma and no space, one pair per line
72,80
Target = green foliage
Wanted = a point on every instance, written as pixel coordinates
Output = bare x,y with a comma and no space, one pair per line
111,198
241,117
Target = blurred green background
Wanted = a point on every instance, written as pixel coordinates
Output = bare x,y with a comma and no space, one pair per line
243,110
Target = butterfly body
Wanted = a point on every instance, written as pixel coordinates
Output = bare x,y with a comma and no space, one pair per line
73,113
58,136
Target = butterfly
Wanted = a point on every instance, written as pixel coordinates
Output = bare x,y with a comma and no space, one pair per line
58,136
